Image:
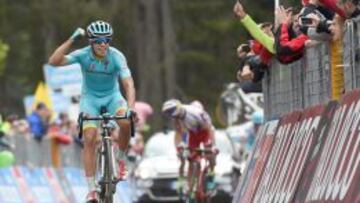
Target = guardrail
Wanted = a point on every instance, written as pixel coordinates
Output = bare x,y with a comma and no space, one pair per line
351,55
30,152
298,85
310,81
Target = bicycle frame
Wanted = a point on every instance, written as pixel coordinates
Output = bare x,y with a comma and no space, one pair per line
104,155
200,168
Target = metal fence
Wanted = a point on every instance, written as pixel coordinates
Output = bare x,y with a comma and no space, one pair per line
317,83
32,153
351,56
298,85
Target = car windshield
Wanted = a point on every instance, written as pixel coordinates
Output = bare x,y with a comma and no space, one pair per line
160,145
163,144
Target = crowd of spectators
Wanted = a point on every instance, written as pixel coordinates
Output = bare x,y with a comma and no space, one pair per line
43,128
292,32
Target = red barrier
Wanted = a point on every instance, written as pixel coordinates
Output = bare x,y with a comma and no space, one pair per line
257,161
337,174
276,161
22,185
320,137
315,157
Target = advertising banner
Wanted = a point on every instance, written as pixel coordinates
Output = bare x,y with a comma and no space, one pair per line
54,183
76,180
9,192
38,184
289,173
261,152
24,189
273,171
336,177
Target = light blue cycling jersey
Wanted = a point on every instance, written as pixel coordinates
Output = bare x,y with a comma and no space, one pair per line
100,77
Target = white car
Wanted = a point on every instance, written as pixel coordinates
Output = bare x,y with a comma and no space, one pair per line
154,179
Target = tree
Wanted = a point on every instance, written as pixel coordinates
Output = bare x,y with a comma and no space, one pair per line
4,48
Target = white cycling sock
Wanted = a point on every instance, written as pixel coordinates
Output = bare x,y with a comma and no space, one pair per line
91,183
121,154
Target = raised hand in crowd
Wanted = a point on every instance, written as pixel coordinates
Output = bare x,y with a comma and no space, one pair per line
283,15
239,10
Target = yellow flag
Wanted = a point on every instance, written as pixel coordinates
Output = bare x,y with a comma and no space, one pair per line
42,95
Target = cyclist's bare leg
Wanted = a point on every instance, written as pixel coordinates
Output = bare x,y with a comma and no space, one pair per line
124,135
181,169
190,174
90,139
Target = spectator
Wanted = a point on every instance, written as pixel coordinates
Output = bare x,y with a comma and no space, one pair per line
61,133
289,41
329,4
314,9
332,5
12,120
62,129
243,50
38,121
3,132
264,38
21,127
143,110
337,28
247,86
252,68
257,119
350,7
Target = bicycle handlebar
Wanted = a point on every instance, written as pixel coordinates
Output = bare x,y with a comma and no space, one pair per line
105,118
200,150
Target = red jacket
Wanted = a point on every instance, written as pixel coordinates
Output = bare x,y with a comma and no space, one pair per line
289,47
329,4
260,50
332,5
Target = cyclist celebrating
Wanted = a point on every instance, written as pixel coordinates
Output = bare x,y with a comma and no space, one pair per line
101,66
193,125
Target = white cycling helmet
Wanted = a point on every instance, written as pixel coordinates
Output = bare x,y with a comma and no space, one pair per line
171,107
99,28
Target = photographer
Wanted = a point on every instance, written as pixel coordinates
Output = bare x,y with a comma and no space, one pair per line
246,85
251,68
289,41
315,21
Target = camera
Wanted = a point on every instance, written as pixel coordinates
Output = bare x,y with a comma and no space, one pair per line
306,21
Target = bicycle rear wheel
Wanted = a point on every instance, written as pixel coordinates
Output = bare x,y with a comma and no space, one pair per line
192,193
204,193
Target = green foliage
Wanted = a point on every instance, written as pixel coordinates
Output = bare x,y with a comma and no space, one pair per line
4,48
207,35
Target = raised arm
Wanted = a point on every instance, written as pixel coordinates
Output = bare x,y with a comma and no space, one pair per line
58,57
253,28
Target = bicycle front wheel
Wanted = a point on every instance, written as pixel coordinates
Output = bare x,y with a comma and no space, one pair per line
108,187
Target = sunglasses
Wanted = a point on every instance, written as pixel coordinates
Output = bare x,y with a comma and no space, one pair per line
100,40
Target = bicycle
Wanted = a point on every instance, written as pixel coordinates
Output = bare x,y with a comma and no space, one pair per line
104,156
198,193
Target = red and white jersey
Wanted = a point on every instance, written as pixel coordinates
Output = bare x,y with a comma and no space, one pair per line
195,119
